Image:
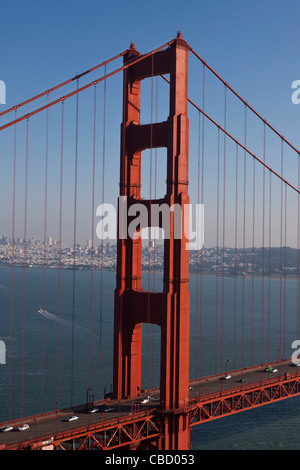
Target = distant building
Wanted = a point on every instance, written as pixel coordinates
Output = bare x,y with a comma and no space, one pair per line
4,240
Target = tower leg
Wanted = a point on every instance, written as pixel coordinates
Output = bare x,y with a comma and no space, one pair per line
171,309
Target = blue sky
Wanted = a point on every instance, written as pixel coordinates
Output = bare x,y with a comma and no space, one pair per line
252,45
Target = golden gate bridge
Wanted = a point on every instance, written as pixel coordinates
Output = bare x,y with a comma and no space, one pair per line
218,152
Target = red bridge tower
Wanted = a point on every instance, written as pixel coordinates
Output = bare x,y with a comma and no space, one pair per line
169,309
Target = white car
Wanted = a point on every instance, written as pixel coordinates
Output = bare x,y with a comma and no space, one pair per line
274,370
72,418
93,410
145,400
7,429
227,377
23,427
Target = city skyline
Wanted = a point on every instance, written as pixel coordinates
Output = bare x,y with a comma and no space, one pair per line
227,261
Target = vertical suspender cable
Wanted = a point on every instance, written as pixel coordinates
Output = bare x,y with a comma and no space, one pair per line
102,241
253,261
198,260
12,268
224,229
202,202
270,251
263,246
285,266
60,252
74,242
92,235
235,258
281,261
45,252
25,260
149,242
244,238
154,250
217,253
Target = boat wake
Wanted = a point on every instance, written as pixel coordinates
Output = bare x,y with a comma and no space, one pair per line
66,323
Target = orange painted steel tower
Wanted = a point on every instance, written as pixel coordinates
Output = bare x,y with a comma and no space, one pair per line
169,309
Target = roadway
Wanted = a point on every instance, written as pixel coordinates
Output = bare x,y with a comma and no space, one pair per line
44,426
41,427
216,384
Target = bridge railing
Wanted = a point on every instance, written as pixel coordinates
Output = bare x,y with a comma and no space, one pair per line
233,390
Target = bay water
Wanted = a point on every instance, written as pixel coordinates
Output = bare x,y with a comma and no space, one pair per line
57,357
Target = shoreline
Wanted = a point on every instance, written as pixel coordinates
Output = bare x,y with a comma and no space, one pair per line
157,270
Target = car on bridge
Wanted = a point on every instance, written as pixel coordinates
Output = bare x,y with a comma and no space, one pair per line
93,410
270,369
72,418
7,429
108,409
145,400
23,427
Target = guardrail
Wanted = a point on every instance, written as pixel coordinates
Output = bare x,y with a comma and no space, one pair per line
245,387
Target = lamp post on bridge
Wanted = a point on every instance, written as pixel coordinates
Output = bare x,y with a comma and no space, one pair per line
227,362
278,354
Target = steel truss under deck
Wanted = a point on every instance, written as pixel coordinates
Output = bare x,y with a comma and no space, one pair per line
235,401
143,430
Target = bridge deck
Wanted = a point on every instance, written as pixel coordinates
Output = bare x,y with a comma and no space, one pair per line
242,377
55,425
